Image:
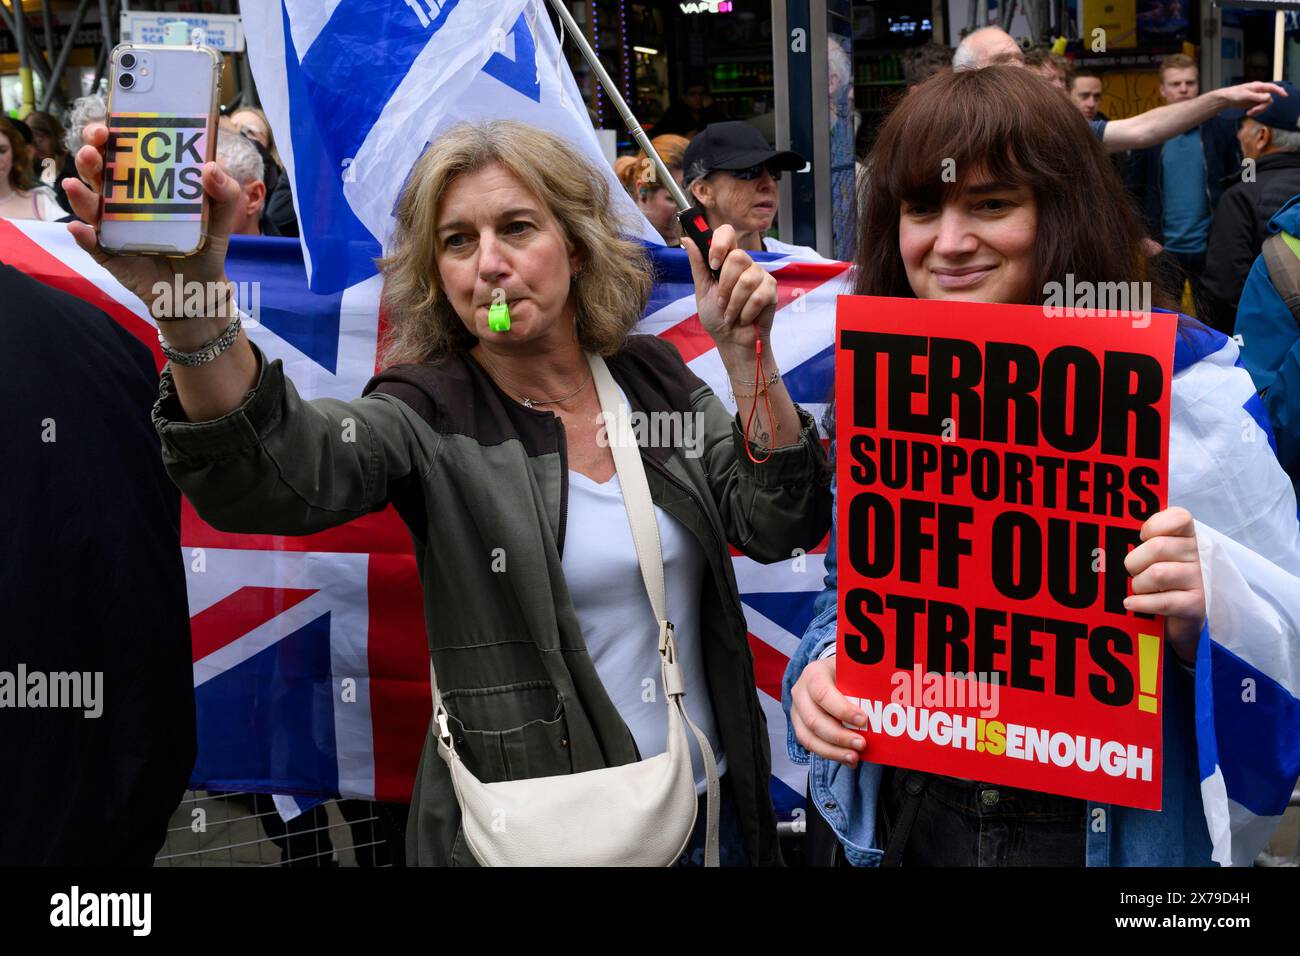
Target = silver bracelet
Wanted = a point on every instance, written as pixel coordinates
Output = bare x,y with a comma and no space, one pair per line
206,352
771,379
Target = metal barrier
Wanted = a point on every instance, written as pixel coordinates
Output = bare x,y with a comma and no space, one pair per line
245,829
1289,828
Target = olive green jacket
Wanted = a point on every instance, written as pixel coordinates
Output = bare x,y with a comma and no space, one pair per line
482,481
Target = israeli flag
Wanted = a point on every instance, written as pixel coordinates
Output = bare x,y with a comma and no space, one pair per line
356,89
1223,469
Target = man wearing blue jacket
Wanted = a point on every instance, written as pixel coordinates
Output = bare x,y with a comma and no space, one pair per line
1269,334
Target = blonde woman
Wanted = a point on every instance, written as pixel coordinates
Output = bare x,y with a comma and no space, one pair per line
489,446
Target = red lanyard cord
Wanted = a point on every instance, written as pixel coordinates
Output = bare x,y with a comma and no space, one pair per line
760,386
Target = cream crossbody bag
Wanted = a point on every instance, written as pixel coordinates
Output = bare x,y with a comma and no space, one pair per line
639,814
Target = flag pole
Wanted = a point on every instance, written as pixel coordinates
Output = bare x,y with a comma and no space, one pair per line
611,91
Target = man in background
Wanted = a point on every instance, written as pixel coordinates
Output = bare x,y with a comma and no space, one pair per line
1052,67
1177,184
992,46
240,159
691,113
1084,87
988,46
1271,143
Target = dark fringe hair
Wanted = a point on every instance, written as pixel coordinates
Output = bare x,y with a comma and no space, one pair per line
1009,125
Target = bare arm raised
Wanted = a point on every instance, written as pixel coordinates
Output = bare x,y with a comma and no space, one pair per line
1165,122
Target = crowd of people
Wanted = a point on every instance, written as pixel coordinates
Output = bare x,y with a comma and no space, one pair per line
490,443
37,155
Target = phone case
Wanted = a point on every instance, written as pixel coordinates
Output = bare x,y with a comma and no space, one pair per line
162,125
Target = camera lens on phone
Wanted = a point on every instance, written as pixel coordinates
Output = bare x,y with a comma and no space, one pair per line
127,61
126,81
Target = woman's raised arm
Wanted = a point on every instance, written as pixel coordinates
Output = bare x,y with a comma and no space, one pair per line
207,391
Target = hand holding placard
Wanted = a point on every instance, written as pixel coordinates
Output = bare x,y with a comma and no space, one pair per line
819,714
994,472
1166,571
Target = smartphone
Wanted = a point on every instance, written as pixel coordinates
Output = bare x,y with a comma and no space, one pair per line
162,128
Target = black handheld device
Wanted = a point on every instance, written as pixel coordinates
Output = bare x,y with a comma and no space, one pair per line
696,226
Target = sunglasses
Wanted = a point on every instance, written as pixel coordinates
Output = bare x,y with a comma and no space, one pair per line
753,172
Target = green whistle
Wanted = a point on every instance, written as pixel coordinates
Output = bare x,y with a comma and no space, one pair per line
499,317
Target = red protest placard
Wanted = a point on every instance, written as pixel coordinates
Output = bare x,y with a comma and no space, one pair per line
995,465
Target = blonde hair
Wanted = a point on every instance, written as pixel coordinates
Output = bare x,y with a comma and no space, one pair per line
610,289
1175,61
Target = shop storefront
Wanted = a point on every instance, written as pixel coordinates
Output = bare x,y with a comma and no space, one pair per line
713,58
685,63
1249,48
664,54
883,33
50,27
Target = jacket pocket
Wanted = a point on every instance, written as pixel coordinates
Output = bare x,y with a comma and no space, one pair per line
510,732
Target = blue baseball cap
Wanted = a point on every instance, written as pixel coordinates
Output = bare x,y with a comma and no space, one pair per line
1284,111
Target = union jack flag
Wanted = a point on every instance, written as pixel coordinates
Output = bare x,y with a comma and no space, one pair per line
310,661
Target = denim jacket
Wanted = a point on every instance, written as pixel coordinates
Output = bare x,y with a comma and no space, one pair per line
1117,836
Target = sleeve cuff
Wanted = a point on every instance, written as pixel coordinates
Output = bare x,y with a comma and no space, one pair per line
234,432
789,465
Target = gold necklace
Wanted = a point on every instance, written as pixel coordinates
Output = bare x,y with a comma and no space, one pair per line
531,402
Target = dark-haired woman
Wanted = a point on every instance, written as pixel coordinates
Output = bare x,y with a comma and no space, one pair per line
1035,200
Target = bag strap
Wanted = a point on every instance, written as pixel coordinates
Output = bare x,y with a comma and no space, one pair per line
636,490
645,536
1280,257
914,784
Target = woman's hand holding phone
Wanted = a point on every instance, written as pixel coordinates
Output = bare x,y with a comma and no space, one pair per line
208,391
141,273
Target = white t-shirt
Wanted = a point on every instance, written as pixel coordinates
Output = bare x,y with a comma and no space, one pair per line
789,249
618,624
